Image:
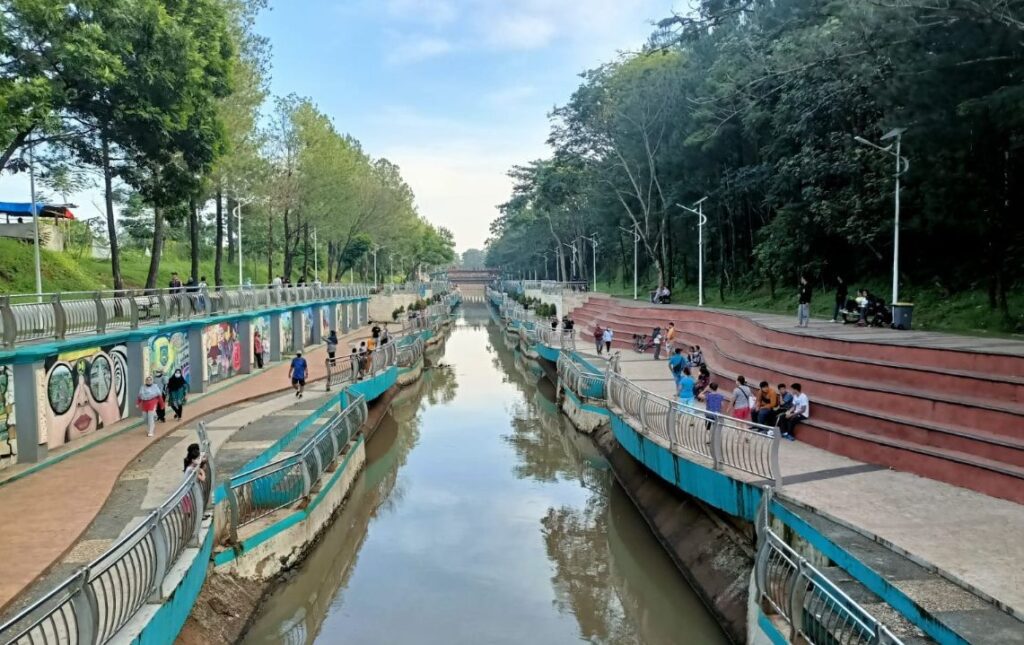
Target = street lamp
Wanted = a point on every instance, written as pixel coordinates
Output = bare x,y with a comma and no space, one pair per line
35,221
316,261
902,166
593,249
636,242
375,249
572,260
701,221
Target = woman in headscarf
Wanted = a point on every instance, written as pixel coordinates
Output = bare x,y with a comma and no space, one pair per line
177,390
147,401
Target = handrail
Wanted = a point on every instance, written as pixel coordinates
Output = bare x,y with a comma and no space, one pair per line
564,339
725,440
98,600
55,316
260,491
585,383
816,609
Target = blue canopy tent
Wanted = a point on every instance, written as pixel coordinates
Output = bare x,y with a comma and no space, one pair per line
23,209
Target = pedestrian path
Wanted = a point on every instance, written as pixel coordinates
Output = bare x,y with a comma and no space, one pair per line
46,511
969,537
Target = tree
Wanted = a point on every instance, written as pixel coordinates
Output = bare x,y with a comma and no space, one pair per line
473,259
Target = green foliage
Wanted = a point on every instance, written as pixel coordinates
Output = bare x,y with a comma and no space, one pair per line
397,312
755,106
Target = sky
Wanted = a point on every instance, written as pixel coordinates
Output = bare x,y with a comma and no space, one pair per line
453,91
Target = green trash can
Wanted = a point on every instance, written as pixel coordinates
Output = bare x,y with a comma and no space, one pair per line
902,315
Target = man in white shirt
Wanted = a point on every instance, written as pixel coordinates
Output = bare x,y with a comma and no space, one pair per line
800,411
607,337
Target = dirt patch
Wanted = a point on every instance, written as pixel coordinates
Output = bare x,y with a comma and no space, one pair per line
223,611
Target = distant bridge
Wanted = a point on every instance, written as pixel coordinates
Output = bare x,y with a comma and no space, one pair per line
472,276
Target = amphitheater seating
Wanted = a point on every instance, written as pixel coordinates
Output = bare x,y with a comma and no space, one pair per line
955,416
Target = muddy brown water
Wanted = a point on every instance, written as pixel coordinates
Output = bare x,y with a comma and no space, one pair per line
483,517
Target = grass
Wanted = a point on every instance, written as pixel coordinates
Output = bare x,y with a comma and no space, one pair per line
962,313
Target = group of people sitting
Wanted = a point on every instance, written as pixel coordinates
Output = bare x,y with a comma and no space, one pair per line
661,295
769,407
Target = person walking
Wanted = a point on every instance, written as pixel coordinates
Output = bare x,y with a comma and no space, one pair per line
803,311
608,336
257,349
201,289
598,338
160,380
297,373
686,384
841,295
177,392
332,345
742,399
147,402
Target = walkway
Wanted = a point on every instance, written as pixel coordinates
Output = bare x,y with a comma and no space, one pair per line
48,511
822,328
969,537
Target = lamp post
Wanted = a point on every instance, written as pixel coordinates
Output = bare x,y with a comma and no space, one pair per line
238,215
636,244
35,222
593,255
701,221
375,249
572,260
902,166
316,262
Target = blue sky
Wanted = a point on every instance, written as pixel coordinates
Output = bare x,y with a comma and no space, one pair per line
453,91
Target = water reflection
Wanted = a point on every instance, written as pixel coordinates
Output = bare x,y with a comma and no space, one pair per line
483,517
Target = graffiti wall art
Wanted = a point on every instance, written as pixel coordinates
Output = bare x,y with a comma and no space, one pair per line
169,352
261,332
6,410
307,326
325,322
222,351
286,333
85,392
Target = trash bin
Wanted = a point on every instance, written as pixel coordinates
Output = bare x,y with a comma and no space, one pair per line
902,315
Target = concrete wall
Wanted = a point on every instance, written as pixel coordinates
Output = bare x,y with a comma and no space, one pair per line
381,306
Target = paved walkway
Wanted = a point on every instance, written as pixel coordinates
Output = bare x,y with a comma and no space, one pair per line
822,328
47,511
972,538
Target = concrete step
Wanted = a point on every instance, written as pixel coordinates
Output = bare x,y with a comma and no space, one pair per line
936,358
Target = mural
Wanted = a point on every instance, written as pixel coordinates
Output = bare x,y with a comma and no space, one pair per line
307,326
169,352
85,392
325,322
286,333
6,409
222,350
261,330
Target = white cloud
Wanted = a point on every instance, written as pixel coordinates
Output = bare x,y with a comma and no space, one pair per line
519,31
418,49
433,12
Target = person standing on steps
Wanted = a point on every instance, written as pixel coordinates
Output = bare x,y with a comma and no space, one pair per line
177,391
608,336
297,373
841,295
598,338
803,312
147,402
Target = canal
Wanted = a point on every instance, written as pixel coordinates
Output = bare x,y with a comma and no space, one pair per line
484,517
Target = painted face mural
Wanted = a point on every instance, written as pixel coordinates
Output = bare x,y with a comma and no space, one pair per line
223,352
85,391
169,352
307,326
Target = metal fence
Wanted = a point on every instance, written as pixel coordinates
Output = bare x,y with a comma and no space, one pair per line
98,600
409,353
585,383
817,611
563,339
261,491
55,316
726,441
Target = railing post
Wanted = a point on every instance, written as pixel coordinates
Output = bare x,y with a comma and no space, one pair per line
774,457
716,443
133,310
101,313
232,513
85,608
161,549
7,318
60,321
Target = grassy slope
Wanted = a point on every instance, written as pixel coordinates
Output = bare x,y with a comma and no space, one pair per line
964,313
